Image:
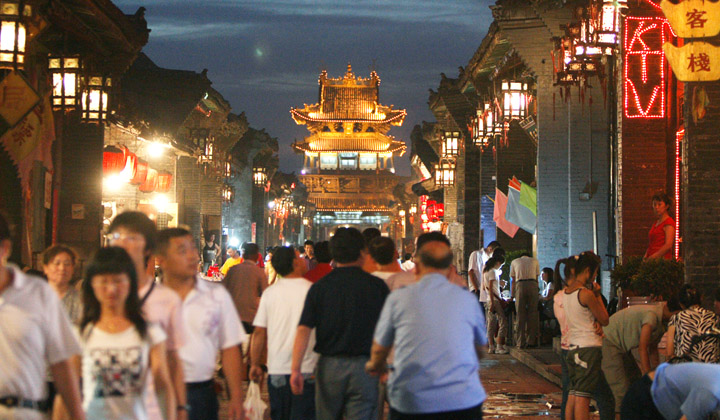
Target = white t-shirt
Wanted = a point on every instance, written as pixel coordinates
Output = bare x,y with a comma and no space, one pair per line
280,308
408,265
383,274
211,324
35,332
476,263
115,370
487,277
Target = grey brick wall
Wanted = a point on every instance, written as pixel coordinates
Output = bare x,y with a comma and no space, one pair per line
701,182
237,216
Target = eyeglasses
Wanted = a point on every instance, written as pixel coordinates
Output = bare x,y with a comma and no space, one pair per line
119,281
115,237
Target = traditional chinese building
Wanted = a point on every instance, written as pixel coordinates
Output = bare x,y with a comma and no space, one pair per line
349,158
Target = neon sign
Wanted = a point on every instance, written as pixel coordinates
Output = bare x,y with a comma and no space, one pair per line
679,136
644,67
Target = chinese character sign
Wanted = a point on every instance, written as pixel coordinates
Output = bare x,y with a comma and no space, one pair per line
694,62
644,72
693,18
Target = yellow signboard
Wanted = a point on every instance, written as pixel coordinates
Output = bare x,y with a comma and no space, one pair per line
693,18
694,62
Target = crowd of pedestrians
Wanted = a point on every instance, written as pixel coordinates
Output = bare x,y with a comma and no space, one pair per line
339,329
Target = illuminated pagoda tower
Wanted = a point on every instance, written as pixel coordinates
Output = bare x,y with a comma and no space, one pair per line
349,159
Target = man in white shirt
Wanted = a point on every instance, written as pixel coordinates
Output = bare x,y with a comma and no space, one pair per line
476,264
211,325
524,273
35,334
275,323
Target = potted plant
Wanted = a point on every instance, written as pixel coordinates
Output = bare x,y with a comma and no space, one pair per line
656,278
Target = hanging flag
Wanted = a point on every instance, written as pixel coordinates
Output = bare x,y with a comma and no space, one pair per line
528,197
514,183
518,214
501,222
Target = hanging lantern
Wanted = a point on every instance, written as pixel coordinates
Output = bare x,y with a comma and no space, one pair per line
413,208
65,80
151,181
515,99
113,160
490,119
140,173
478,125
445,172
228,170
450,144
13,33
228,194
259,176
95,98
164,181
608,25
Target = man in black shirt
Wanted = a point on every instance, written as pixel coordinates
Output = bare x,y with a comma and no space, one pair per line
343,307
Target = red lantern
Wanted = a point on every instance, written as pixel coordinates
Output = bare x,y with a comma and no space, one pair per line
140,173
151,181
164,179
113,160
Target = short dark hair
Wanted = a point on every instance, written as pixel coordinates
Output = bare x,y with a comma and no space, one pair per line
137,222
369,234
250,250
309,242
429,260
282,260
382,249
662,197
494,244
5,233
549,271
165,235
112,260
689,296
322,252
346,245
498,252
431,237
56,250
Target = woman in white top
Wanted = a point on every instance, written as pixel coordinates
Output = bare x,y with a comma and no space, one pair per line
495,312
119,346
583,308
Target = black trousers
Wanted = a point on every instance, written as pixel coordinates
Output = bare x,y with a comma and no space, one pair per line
473,413
203,401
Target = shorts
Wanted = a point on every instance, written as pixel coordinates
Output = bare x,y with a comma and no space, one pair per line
584,370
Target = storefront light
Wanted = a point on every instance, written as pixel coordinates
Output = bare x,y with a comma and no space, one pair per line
95,98
66,81
13,33
156,149
478,125
515,99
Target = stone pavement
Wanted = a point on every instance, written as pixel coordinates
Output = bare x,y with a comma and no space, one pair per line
514,391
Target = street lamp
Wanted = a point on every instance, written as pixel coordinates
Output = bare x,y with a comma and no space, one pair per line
65,80
13,33
228,194
515,99
450,145
478,125
95,98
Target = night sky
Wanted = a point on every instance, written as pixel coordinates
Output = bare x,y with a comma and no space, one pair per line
264,56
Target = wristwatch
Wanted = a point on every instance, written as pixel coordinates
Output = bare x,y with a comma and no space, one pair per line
185,407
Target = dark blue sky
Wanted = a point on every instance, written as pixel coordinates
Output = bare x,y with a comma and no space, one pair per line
264,56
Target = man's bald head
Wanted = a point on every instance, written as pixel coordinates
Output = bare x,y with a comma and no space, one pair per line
435,255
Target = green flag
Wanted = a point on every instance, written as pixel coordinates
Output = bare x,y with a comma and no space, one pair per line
528,197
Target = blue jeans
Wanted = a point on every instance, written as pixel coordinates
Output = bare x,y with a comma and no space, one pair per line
284,405
602,395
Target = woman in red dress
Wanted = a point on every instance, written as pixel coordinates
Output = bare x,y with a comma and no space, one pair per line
662,232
